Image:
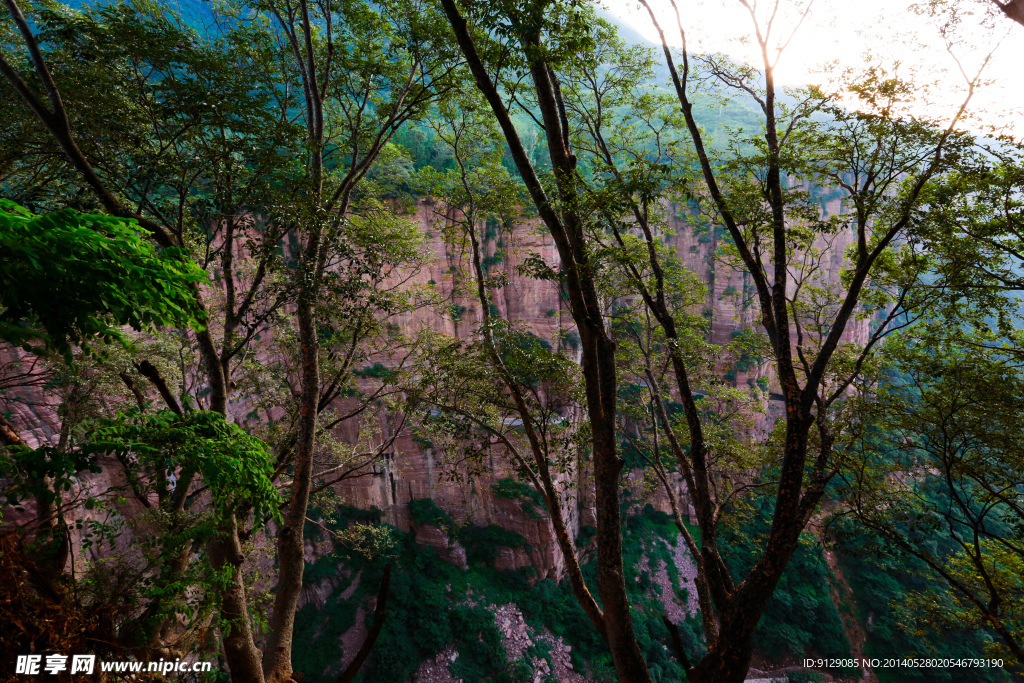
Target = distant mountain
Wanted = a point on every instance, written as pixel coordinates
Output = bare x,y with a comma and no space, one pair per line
196,13
739,112
626,31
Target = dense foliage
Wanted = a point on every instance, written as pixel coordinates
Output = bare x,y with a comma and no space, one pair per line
275,250
71,279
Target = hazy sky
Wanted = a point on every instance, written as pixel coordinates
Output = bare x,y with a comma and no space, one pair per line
844,31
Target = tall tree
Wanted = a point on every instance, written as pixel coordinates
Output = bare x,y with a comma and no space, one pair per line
937,474
541,37
270,198
528,383
776,233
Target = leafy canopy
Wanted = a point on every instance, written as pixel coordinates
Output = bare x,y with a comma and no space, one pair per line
70,278
235,466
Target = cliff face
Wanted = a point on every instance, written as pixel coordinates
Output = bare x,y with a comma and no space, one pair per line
415,472
24,399
412,472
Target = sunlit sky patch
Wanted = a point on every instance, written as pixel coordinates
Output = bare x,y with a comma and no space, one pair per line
838,36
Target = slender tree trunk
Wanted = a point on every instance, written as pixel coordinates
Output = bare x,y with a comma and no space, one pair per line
544,482
239,648
277,664
598,348
598,369
53,543
379,612
291,539
600,379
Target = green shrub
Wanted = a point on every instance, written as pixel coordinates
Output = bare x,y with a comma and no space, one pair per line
344,514
481,651
529,497
880,582
425,511
432,605
378,370
748,361
421,441
585,536
482,542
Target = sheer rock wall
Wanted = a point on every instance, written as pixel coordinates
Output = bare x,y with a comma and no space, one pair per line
413,472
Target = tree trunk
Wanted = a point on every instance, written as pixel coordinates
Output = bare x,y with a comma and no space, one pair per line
379,612
611,586
598,348
239,648
277,663
543,483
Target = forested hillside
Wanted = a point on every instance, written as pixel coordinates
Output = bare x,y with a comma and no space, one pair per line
447,341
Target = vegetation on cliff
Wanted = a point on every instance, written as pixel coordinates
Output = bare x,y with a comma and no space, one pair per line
216,301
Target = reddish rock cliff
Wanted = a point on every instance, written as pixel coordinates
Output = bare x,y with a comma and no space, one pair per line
414,472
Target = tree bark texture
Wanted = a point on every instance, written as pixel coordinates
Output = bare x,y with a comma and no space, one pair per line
239,648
